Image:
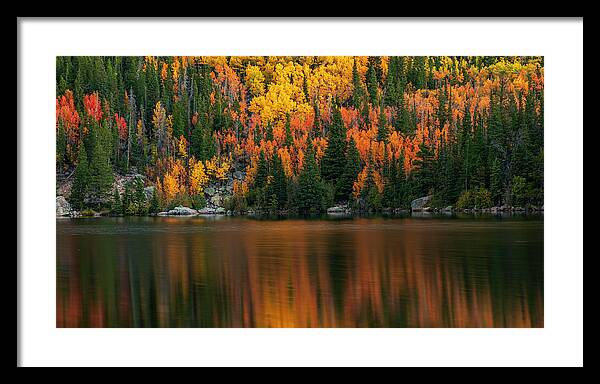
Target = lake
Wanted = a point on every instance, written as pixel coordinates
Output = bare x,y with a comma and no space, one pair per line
335,272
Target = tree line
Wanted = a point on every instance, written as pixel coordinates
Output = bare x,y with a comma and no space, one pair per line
305,132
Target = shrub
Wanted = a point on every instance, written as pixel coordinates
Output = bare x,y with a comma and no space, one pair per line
483,198
465,200
198,201
519,190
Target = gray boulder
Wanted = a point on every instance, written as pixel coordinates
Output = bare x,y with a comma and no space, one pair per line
206,211
420,203
63,208
210,191
338,209
182,211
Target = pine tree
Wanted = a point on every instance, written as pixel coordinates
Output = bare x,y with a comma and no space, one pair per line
61,146
372,86
100,171
269,132
310,188
334,158
116,207
351,170
80,181
496,181
358,92
154,203
424,169
140,197
382,129
401,185
388,197
262,171
369,194
279,182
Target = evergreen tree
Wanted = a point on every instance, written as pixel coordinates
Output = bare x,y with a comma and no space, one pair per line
400,183
154,203
100,171
61,146
80,181
351,171
358,91
116,207
496,181
310,188
262,171
382,131
334,158
279,182
269,132
424,169
390,181
372,86
139,197
370,198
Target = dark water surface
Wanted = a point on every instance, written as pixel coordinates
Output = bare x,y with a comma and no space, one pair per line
240,272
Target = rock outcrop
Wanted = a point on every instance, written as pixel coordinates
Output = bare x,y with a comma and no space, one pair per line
63,208
421,203
338,210
182,211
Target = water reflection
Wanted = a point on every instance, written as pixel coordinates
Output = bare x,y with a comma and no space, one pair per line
197,272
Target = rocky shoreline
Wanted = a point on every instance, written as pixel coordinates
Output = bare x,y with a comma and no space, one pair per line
216,194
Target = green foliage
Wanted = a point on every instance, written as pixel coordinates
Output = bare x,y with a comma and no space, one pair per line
262,171
80,181
134,199
117,207
279,184
101,175
311,191
351,170
236,204
477,198
198,201
334,159
519,191
154,207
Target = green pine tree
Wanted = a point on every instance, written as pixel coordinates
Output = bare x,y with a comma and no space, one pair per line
80,181
351,170
334,159
310,189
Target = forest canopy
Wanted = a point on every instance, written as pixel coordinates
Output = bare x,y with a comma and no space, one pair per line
302,133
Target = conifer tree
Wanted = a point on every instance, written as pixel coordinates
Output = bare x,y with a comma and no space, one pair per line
334,159
80,181
154,203
116,207
351,171
262,171
382,129
358,92
310,188
279,182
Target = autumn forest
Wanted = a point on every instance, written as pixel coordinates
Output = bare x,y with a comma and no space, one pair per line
300,134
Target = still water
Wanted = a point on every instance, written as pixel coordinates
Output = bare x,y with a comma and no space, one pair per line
241,272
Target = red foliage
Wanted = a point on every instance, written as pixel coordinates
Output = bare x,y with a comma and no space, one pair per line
93,107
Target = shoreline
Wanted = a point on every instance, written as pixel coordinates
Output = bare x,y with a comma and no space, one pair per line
280,215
